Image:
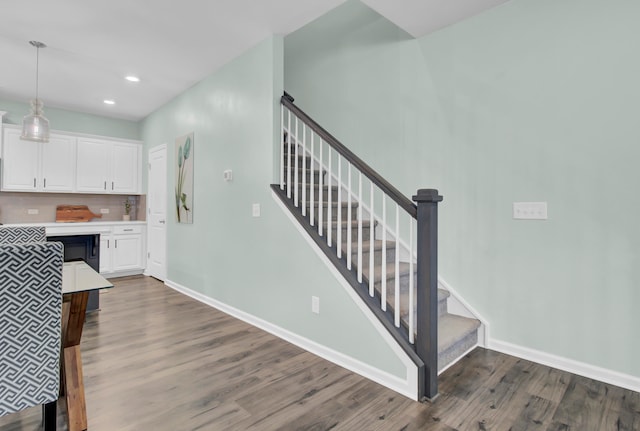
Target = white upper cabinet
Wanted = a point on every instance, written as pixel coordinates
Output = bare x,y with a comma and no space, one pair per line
38,167
58,164
93,168
125,168
69,163
108,167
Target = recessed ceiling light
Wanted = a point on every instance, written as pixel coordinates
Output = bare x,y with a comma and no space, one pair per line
109,102
132,78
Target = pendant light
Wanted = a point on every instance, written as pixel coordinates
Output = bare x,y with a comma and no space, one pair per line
35,126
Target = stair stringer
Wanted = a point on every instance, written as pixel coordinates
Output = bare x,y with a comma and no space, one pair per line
381,322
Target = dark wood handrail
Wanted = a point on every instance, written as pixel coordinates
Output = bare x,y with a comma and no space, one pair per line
356,161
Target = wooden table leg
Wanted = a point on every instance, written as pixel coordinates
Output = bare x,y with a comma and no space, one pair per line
74,384
72,361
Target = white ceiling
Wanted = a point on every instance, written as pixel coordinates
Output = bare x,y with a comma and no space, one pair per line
92,45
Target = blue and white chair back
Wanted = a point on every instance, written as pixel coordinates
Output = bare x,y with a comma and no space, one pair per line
22,234
30,331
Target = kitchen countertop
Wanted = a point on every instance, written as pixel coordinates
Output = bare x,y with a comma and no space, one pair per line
80,227
79,224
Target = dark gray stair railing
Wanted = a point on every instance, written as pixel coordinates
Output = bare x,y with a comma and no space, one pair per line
410,310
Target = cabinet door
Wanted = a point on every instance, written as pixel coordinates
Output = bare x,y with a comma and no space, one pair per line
105,253
127,252
58,163
19,162
92,169
124,168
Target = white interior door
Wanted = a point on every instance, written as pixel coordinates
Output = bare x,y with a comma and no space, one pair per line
157,213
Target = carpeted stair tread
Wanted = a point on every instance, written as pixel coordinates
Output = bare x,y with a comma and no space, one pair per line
403,267
366,245
354,224
456,335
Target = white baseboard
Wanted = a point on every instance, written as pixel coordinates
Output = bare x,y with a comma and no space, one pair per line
117,274
583,369
406,387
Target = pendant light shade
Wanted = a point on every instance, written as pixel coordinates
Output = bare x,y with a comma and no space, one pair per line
35,126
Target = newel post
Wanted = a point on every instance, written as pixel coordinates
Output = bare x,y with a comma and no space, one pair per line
427,289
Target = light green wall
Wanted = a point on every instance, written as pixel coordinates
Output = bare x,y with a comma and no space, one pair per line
535,100
262,266
71,121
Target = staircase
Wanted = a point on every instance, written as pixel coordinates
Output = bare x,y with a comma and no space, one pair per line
366,247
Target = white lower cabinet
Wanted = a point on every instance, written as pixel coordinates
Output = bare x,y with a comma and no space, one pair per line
127,252
122,250
105,253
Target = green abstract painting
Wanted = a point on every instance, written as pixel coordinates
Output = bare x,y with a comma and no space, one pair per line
184,179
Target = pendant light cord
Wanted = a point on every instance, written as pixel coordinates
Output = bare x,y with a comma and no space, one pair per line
37,70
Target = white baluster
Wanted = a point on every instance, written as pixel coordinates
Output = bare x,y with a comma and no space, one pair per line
297,169
329,209
349,217
396,302
412,293
383,276
282,167
289,155
371,249
311,189
339,209
320,188
304,169
360,227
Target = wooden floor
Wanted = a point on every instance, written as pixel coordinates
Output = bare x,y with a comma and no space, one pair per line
157,360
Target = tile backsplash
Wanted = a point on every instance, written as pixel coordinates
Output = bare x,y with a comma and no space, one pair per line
17,207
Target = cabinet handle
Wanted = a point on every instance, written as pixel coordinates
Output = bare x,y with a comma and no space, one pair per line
34,183
45,183
128,230
116,244
108,246
105,185
111,185
161,221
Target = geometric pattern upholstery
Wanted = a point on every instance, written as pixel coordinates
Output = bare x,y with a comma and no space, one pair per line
17,235
30,315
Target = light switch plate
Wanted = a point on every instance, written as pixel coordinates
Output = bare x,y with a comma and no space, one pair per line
32,211
315,304
255,210
530,211
104,210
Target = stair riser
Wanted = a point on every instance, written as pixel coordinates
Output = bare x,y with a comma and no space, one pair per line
334,212
377,256
316,193
302,161
308,173
345,233
354,233
454,352
442,308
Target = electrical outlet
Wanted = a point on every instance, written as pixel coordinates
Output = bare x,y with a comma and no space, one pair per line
227,175
255,210
530,210
33,211
315,304
104,210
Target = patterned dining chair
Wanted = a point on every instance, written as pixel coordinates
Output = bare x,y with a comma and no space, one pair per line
22,234
30,332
